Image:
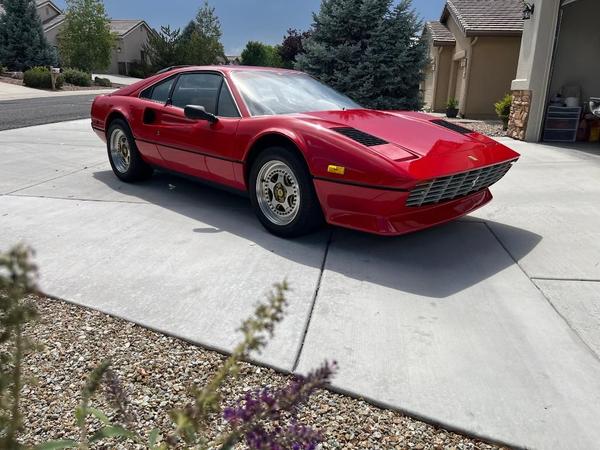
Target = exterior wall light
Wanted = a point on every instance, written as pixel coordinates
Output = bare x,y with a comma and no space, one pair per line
528,9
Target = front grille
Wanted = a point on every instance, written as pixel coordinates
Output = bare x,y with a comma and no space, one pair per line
360,136
452,126
456,186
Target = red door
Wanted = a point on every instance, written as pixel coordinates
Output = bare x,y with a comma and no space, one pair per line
198,147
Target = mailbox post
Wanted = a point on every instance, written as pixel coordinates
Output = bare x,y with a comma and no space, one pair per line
54,73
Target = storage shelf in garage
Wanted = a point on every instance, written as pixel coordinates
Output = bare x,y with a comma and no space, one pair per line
561,124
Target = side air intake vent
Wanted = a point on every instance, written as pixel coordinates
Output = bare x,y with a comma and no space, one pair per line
360,136
452,126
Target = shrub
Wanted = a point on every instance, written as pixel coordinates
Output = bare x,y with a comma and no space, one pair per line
105,82
452,103
41,78
503,109
77,77
3,70
139,70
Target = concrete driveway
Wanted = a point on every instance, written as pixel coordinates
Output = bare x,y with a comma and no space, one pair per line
490,324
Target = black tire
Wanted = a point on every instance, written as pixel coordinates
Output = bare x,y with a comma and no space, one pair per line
309,215
136,169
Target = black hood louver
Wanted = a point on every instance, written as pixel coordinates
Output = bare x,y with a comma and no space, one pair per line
452,126
360,136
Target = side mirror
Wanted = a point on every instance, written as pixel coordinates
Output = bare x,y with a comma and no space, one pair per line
196,112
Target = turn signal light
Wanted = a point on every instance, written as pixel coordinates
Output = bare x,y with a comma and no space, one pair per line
338,170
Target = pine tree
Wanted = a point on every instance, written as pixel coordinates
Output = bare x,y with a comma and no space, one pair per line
369,50
22,41
204,43
86,42
187,32
164,48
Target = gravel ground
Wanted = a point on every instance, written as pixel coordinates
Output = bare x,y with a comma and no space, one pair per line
156,370
492,128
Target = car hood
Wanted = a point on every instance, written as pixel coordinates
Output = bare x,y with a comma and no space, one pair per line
413,131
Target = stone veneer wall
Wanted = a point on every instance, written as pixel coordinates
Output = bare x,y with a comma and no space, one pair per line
519,114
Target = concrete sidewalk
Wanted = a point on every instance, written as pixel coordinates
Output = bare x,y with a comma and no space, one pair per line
15,92
483,325
117,79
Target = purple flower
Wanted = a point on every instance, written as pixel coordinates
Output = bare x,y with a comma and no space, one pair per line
260,408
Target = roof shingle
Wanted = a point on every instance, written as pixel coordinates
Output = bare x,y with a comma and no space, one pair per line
486,17
122,27
439,33
54,21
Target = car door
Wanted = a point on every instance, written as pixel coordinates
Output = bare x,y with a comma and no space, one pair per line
148,108
199,147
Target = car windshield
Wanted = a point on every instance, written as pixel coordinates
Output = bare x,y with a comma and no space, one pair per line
268,93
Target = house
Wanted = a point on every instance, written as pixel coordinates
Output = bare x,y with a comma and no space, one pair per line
131,36
233,60
560,51
473,51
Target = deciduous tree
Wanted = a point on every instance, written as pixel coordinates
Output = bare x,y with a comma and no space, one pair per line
259,54
292,46
86,42
22,41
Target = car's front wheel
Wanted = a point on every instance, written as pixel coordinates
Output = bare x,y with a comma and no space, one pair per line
283,195
124,157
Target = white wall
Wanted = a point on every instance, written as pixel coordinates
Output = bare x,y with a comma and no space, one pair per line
535,59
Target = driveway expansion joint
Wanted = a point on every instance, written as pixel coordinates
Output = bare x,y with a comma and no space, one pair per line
89,166
78,199
585,280
532,280
314,301
573,330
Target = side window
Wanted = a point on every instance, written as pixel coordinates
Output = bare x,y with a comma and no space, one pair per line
227,106
200,89
159,92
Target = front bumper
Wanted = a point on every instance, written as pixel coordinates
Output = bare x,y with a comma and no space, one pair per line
384,212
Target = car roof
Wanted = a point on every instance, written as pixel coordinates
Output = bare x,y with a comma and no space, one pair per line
230,68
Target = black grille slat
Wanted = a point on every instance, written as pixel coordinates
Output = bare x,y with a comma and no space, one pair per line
452,126
360,136
456,186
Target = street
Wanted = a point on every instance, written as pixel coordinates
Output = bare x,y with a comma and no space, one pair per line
37,111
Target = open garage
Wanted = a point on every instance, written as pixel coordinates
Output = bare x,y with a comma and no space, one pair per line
557,78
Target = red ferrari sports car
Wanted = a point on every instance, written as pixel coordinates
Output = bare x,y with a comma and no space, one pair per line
302,151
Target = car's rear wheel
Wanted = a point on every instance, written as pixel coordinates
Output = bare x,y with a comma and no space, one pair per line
123,154
283,194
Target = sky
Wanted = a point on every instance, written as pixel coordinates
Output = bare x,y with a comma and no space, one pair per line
241,20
